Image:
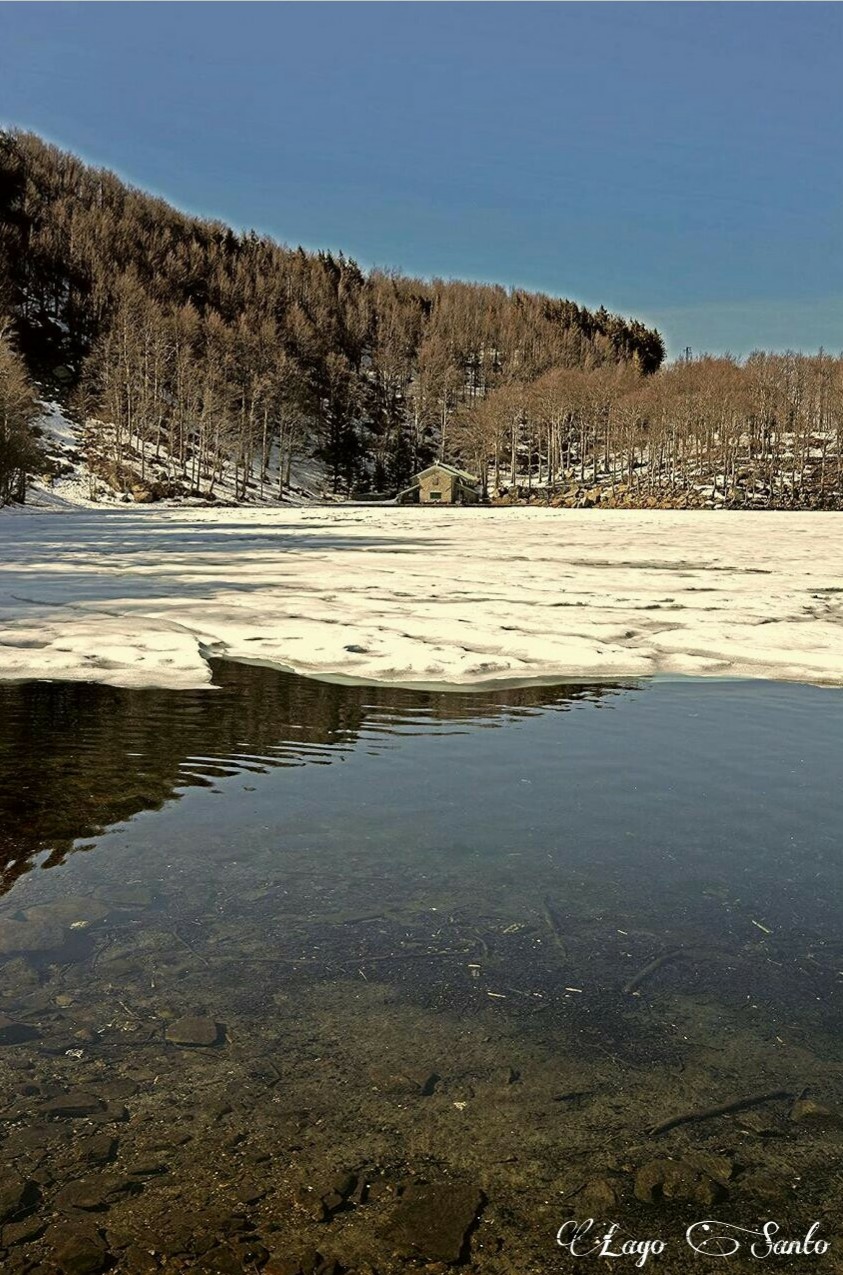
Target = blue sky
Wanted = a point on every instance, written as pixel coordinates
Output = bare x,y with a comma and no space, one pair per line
680,162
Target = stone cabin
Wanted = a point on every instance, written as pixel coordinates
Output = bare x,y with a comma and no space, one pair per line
442,484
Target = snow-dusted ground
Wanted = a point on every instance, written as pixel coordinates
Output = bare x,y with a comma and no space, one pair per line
63,443
138,596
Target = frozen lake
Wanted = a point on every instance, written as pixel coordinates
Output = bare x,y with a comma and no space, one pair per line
432,596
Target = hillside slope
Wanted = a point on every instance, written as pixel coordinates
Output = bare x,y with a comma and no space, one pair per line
230,350
78,473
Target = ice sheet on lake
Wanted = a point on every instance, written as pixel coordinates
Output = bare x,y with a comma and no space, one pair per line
139,597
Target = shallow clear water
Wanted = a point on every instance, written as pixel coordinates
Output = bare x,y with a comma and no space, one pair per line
419,920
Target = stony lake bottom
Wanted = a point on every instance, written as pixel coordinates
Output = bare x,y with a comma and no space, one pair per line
405,980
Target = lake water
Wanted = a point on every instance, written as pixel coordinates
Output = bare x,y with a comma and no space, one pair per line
422,934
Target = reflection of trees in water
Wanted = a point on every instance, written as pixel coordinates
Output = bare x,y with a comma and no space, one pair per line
77,757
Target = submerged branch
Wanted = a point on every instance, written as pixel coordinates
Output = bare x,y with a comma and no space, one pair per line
553,923
724,1109
675,954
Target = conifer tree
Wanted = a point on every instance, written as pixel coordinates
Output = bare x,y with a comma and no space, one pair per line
19,452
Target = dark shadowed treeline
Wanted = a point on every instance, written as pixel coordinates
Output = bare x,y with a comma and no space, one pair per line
212,353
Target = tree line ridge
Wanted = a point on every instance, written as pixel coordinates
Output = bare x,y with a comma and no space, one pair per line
202,359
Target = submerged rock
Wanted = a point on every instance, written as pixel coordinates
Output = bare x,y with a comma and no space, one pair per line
599,1196
194,1030
16,1196
100,1148
88,1194
76,909
677,1180
308,1262
48,925
23,935
759,1125
78,1252
126,896
12,1033
323,1202
719,1167
114,1090
140,1261
21,1232
434,1221
73,1105
19,974
766,1187
409,1080
806,1111
147,1168
220,1261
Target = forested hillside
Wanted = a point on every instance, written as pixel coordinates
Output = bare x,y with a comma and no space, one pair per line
765,433
200,361
205,352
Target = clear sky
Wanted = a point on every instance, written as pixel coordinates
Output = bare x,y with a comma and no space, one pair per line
680,162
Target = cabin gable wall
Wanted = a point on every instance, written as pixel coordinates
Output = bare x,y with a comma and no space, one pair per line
437,481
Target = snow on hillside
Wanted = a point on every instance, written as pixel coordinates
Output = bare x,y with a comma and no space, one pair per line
139,596
72,477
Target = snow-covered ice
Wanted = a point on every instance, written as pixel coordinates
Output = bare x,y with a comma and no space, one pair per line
140,596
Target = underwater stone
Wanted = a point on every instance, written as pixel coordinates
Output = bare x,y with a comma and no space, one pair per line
21,1232
139,1260
676,1180
599,1194
89,1194
220,1261
193,1031
12,1033
29,935
719,1167
76,909
307,1263
15,1196
408,1081
100,1148
73,1105
806,1111
79,1253
433,1221
126,896
766,1186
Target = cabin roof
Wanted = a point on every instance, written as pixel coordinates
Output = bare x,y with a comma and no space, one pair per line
449,469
